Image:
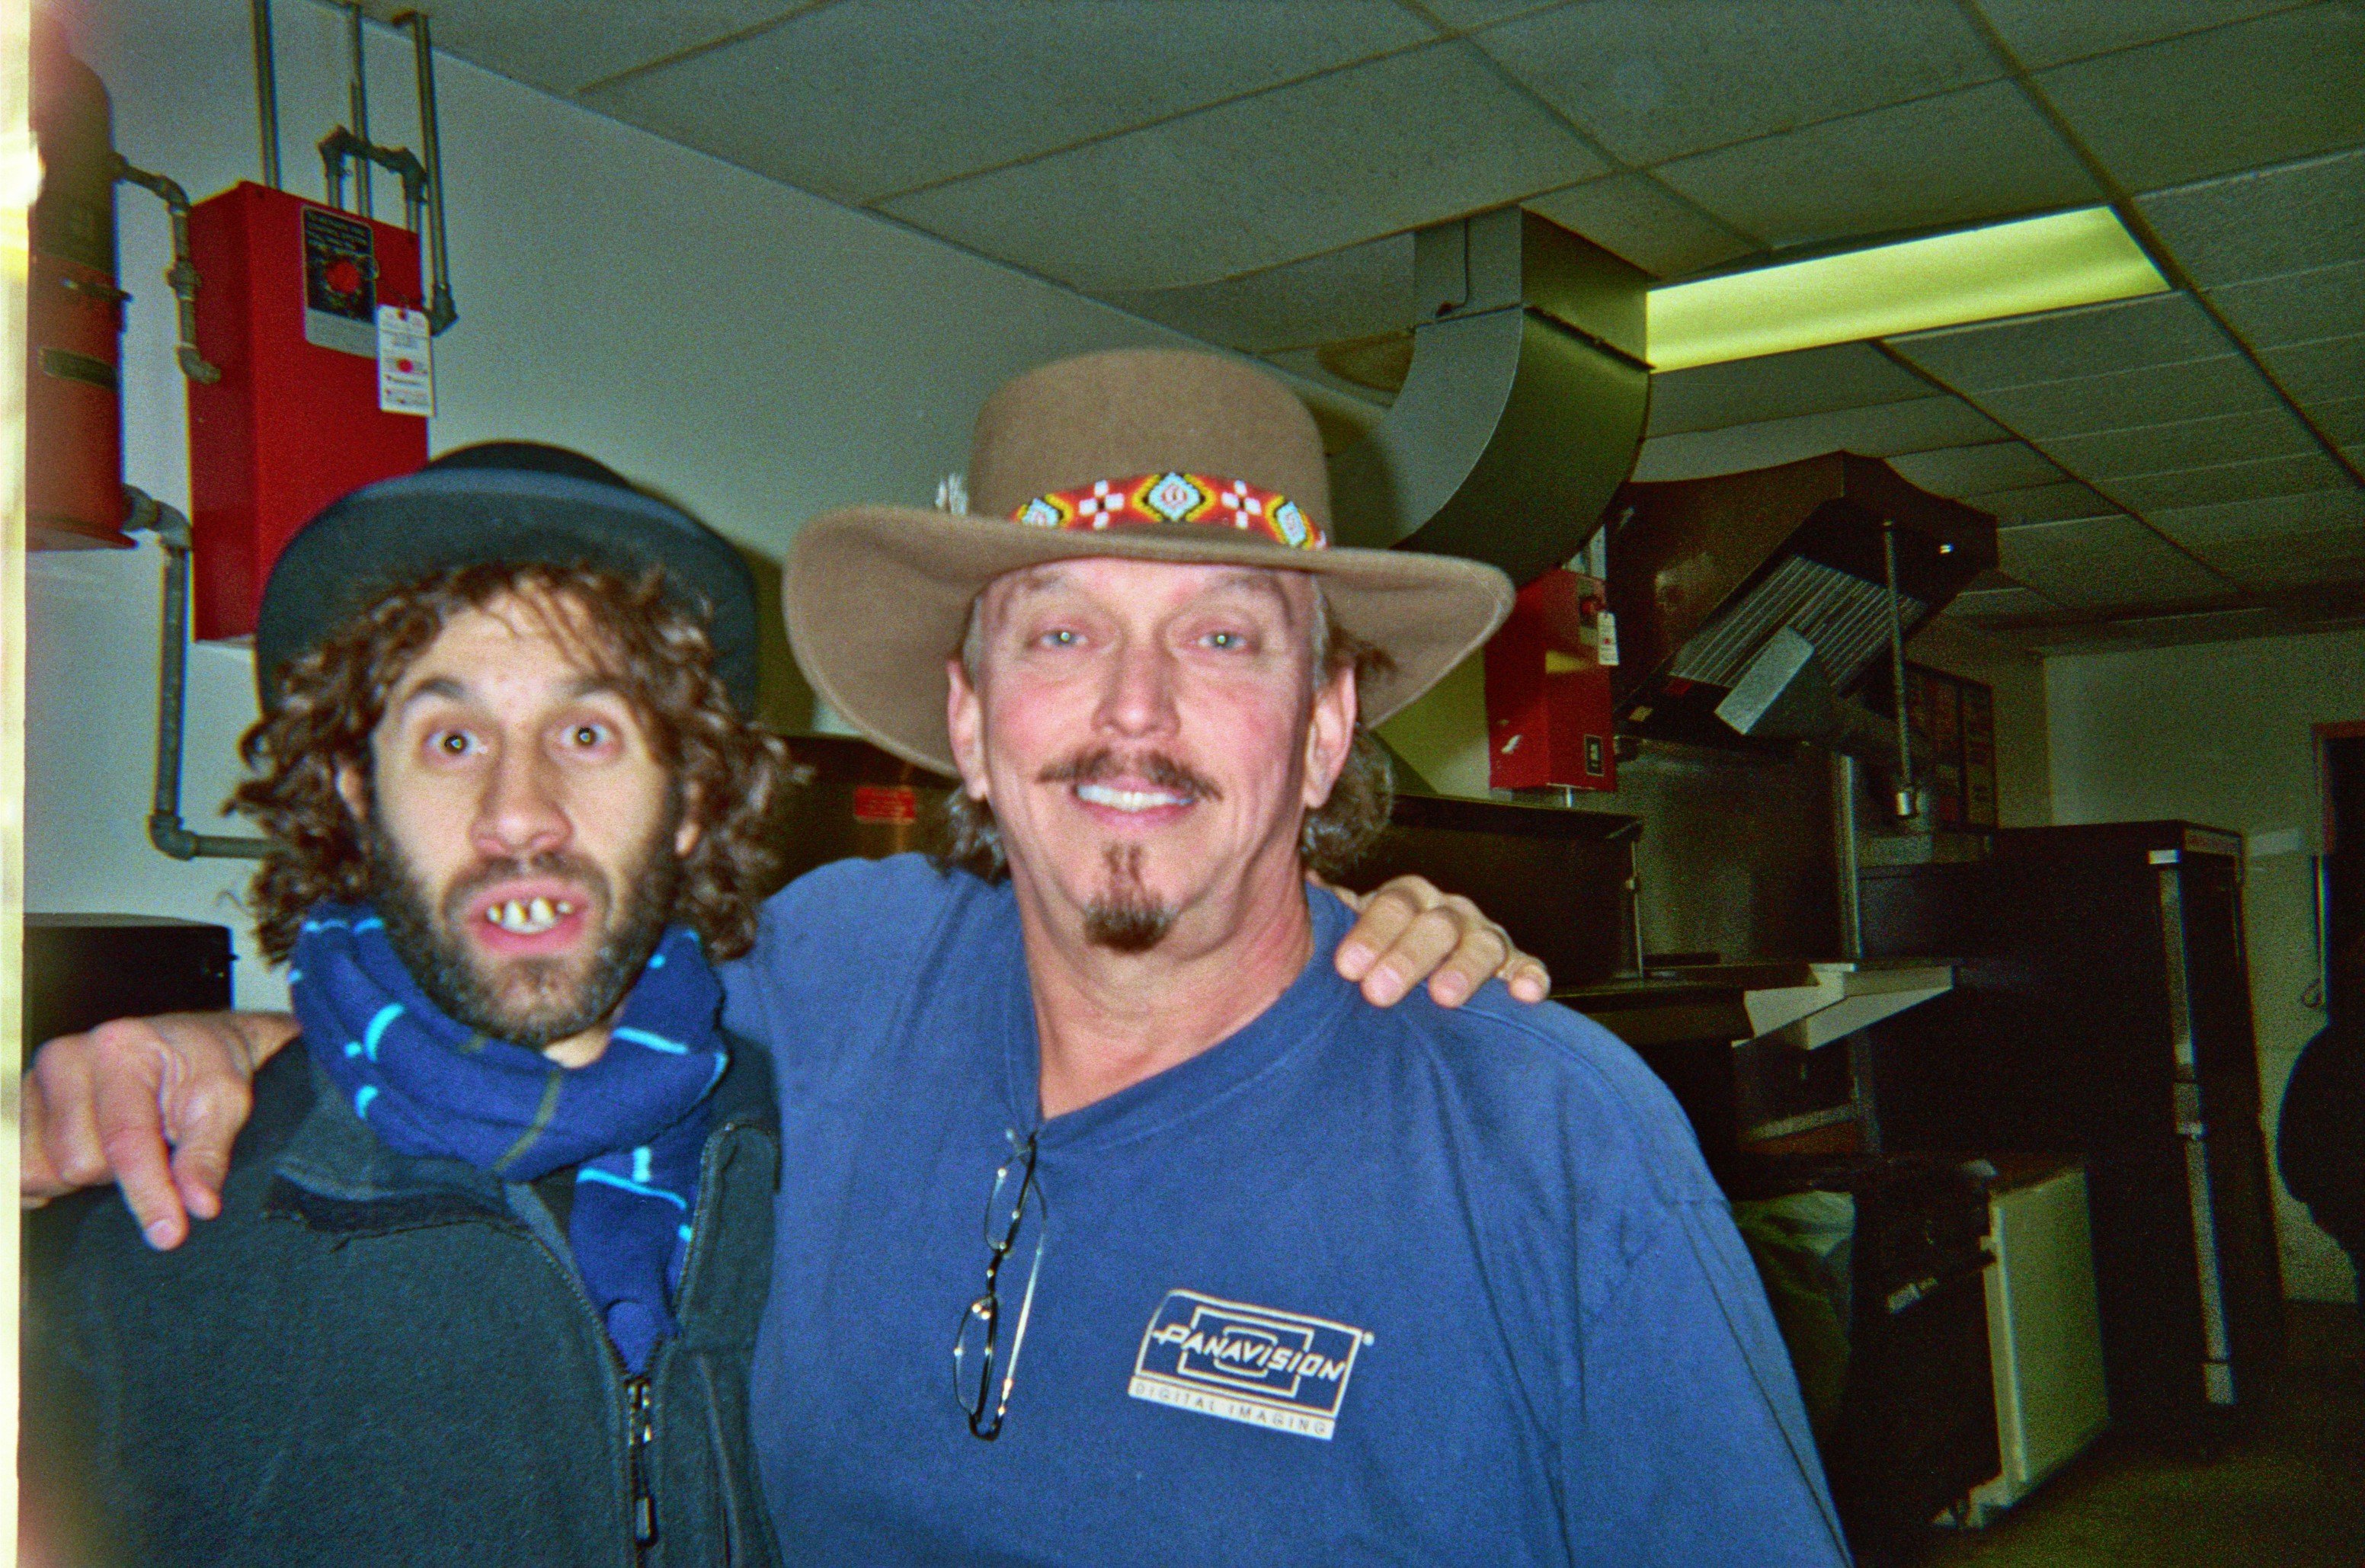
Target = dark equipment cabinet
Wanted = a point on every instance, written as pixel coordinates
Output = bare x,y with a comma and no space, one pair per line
2102,1009
82,969
1915,1428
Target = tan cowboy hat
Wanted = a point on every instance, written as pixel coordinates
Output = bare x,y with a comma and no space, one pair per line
1147,454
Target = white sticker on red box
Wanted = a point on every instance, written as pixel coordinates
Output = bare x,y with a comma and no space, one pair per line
405,365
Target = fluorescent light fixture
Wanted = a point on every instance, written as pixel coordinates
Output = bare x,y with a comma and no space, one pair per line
1977,275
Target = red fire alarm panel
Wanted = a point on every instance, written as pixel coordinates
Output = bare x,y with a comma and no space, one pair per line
289,309
1549,721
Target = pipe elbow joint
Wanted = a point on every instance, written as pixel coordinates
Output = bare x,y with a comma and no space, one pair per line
167,834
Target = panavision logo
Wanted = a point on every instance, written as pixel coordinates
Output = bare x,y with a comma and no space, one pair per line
1280,1370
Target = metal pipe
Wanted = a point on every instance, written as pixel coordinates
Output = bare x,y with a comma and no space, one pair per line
165,829
1851,886
340,146
267,92
441,311
183,274
357,97
1897,671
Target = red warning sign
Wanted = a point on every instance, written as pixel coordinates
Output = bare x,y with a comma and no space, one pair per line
886,803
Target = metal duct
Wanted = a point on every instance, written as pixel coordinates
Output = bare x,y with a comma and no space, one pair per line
1525,405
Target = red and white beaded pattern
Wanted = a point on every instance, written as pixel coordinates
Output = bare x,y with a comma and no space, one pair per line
1147,498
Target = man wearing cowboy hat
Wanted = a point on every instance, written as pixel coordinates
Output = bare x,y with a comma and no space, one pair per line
488,1264
1135,1234
1113,1226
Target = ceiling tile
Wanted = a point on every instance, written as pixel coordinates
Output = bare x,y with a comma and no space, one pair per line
866,98
1393,144
1969,470
2041,503
2046,32
2153,630
1960,158
1486,13
2342,419
2149,449
2254,480
1811,381
1641,219
563,45
1357,292
2332,367
1883,430
2160,329
1655,79
2323,302
2267,221
1991,604
2294,560
2104,561
2124,399
2208,528
2279,87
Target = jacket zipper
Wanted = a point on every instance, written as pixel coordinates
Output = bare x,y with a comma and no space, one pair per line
641,1427
640,1408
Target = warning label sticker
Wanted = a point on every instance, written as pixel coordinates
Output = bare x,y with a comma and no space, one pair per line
405,370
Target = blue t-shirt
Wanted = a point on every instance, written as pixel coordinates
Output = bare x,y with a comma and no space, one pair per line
1355,1285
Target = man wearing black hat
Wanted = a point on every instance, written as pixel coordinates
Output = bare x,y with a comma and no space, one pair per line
493,1247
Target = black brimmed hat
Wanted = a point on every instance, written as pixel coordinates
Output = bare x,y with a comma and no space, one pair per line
500,501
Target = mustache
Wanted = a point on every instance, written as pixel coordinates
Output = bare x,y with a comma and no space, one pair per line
1103,762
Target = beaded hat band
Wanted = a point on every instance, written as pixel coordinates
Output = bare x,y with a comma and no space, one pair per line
1150,499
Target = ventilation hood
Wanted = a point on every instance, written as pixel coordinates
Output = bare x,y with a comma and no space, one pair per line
1749,604
1524,407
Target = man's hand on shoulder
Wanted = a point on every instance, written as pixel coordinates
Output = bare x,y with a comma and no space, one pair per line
1407,930
154,1104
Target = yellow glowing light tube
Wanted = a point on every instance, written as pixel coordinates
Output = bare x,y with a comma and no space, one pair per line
1978,274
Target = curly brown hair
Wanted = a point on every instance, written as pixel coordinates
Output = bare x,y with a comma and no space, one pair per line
1333,835
662,659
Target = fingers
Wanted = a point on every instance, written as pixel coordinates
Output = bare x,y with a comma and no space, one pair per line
1478,948
1386,915
129,1122
203,1123
1409,931
1526,976
103,1105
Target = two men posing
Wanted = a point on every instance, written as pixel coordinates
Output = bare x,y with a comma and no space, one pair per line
1264,1273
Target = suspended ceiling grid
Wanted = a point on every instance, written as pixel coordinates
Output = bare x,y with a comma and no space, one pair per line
1248,171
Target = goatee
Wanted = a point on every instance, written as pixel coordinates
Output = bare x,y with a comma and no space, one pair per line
1126,918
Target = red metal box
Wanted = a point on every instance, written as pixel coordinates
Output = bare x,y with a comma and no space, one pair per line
288,308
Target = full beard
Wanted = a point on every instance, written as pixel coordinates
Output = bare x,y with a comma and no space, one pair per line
532,1002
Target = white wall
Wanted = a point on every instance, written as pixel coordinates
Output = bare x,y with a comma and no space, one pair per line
757,353
2220,733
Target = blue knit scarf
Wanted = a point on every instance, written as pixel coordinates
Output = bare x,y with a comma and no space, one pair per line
635,1121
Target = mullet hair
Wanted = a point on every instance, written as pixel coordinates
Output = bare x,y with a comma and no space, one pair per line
1329,841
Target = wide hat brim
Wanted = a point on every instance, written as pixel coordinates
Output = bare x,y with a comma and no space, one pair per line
878,597
388,535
